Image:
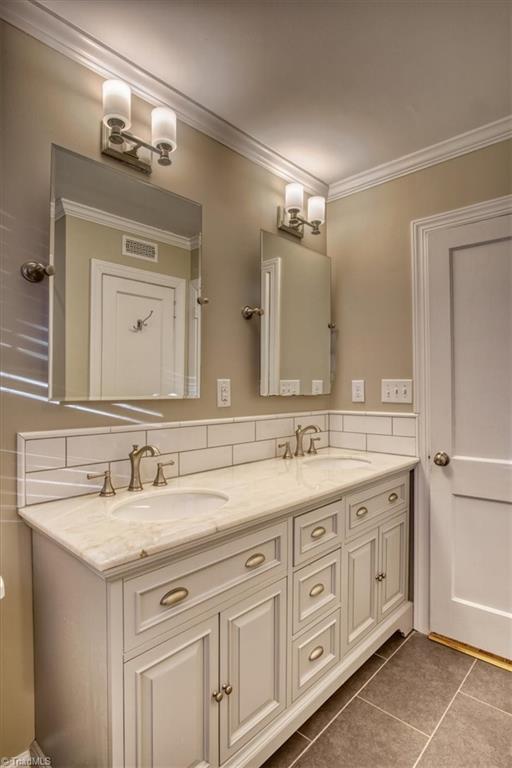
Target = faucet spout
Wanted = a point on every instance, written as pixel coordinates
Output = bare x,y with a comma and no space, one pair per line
299,436
135,457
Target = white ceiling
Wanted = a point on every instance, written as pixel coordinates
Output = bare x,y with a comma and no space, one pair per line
335,86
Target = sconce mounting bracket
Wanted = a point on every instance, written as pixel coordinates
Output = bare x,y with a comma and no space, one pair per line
283,223
125,152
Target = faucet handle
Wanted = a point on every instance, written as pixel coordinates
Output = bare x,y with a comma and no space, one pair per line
312,446
288,454
160,478
107,489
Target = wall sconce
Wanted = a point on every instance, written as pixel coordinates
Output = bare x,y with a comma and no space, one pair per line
289,217
118,142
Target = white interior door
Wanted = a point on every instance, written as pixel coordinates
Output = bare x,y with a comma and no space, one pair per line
137,333
470,385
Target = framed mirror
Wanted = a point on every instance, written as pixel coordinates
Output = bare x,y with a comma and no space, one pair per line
295,325
125,321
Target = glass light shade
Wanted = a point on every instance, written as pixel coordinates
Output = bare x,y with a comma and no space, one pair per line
294,196
316,209
117,102
163,128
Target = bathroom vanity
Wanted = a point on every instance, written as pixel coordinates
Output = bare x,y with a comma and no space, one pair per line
207,639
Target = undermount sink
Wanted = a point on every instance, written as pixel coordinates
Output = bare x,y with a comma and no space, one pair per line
338,462
169,505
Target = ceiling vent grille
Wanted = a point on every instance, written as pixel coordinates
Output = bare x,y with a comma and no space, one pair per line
139,249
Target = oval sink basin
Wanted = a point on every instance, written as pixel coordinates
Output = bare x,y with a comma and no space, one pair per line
169,505
338,462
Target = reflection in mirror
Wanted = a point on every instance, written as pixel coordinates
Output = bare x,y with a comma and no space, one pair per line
125,322
295,333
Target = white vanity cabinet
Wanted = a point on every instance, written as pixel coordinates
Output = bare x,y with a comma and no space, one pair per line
215,653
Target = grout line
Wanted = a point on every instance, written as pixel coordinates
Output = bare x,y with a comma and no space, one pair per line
303,735
481,701
444,715
385,712
351,699
380,656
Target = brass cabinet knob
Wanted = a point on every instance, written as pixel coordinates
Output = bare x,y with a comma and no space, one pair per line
393,497
218,696
174,596
362,511
318,532
316,590
316,653
380,577
255,560
441,458
227,688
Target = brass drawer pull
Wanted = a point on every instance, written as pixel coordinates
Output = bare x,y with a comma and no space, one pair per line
393,497
316,590
174,596
316,653
318,532
362,511
255,560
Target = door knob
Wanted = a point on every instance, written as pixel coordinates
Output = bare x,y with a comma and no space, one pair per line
441,458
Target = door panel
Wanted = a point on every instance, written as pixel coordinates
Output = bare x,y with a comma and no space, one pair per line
393,559
470,348
253,662
170,716
360,571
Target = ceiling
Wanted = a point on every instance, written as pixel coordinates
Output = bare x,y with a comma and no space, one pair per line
335,86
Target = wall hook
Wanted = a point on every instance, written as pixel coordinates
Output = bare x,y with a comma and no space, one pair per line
141,323
35,271
248,312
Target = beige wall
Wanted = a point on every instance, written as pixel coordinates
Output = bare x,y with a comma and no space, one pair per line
368,240
47,98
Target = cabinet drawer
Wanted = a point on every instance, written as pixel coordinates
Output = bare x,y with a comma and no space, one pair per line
153,600
315,653
317,531
368,504
316,590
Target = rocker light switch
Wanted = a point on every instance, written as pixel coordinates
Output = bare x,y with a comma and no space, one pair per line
223,393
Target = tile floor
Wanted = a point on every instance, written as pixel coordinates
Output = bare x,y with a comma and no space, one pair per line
414,703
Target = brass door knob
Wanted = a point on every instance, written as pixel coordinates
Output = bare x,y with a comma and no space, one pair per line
442,459
218,696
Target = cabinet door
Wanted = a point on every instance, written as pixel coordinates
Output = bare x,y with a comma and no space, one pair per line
171,719
393,548
360,587
253,662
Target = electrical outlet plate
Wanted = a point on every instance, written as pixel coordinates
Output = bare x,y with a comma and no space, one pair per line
223,393
396,390
317,387
289,387
358,395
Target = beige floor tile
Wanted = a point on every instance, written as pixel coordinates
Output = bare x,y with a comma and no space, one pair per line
490,684
287,753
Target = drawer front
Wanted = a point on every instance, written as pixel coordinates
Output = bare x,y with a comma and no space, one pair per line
315,653
316,590
153,600
364,507
317,531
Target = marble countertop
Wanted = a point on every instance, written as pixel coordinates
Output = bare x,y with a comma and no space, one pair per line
87,527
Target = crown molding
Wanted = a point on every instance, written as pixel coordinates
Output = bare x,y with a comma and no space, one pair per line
59,34
65,207
423,158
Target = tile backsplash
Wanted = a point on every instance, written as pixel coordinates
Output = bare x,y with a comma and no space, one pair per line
54,465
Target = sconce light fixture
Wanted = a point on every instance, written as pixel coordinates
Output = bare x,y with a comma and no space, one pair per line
118,142
289,217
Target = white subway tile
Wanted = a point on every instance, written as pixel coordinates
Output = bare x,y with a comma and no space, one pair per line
405,446
121,470
62,483
336,422
350,440
228,434
209,458
179,439
406,427
377,425
274,428
45,454
106,447
318,420
264,449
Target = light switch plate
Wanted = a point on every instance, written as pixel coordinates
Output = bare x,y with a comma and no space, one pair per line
223,393
317,387
358,395
396,390
289,387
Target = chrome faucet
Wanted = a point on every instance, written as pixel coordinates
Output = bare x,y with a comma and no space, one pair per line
135,456
299,435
